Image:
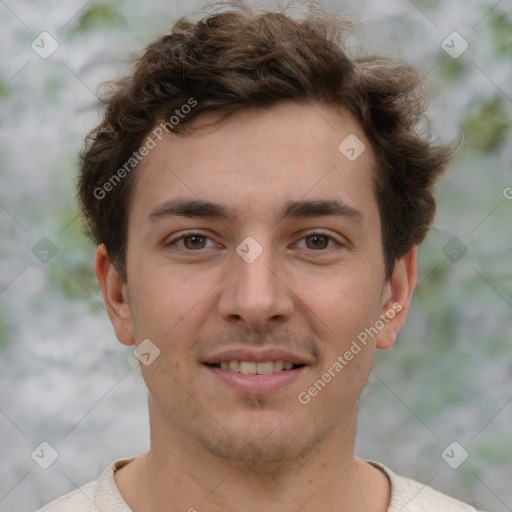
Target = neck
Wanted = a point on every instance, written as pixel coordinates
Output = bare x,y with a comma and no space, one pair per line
180,471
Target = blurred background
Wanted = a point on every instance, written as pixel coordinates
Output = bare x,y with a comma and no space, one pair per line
437,408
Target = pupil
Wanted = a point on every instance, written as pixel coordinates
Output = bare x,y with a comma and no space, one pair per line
194,240
319,241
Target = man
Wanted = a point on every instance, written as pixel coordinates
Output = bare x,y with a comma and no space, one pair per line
257,197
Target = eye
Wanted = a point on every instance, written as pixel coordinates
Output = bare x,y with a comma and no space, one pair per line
191,242
318,241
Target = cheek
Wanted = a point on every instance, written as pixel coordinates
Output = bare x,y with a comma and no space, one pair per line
348,301
348,307
164,297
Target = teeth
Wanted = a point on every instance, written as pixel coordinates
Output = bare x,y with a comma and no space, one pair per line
265,368
233,365
247,367
278,366
252,368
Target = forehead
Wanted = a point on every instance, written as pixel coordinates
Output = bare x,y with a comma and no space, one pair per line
259,159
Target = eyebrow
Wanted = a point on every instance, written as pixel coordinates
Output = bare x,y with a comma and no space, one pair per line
291,209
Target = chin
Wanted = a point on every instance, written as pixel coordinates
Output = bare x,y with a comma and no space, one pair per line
273,439
259,451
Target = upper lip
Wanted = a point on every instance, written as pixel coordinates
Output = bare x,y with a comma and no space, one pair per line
256,356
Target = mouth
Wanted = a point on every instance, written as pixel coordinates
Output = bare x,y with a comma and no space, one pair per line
255,377
255,368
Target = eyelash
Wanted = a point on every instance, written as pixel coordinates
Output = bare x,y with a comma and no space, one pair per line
194,233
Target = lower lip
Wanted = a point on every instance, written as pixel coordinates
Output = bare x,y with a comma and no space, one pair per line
254,383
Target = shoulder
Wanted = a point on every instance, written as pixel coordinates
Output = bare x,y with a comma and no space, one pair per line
408,495
101,494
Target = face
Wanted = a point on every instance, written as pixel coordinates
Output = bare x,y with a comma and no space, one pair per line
256,246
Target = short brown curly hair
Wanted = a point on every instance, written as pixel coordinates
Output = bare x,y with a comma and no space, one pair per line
244,58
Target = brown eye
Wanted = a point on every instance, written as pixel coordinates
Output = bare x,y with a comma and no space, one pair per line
191,242
194,241
317,241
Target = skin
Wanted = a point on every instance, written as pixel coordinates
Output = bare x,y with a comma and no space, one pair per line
214,447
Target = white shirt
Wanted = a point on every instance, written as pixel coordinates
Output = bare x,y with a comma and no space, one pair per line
406,496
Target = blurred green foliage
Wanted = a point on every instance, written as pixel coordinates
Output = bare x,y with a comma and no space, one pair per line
450,69
487,124
501,32
98,16
426,5
75,259
5,89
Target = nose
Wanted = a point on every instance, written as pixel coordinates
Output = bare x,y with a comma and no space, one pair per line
256,294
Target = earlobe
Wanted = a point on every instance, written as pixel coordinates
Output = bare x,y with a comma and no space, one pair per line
397,298
116,296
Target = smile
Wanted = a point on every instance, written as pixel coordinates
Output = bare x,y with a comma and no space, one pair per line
256,368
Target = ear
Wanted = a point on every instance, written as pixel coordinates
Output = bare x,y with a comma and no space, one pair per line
397,298
115,295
